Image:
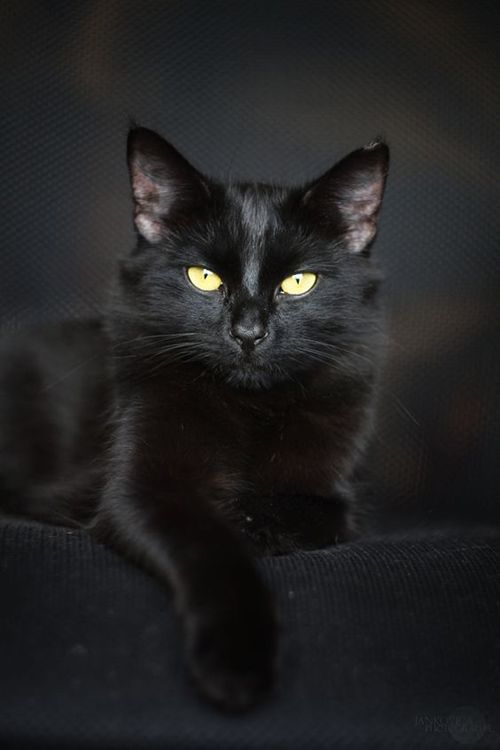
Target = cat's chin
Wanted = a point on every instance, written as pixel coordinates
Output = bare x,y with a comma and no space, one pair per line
253,378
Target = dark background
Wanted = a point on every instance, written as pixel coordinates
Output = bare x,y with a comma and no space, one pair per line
279,91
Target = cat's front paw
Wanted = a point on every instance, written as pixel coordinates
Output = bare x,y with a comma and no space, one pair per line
232,659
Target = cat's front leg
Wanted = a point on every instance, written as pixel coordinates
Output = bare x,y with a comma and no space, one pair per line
231,633
160,515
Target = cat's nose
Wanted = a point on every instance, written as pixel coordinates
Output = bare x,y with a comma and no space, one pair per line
248,334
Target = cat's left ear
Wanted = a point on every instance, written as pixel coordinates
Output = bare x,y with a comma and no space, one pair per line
347,198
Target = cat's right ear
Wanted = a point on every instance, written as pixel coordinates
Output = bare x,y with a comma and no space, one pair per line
166,189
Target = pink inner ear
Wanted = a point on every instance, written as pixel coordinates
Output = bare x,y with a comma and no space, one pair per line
359,235
362,201
143,187
359,211
150,199
148,226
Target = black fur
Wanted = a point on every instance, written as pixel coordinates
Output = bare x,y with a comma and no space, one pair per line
189,429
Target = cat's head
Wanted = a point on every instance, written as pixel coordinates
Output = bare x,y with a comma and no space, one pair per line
256,283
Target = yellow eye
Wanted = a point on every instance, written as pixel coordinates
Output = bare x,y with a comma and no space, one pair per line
299,283
204,279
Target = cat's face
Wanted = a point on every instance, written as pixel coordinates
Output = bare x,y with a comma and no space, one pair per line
257,284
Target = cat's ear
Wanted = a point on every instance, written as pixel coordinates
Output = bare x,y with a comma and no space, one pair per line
348,197
166,189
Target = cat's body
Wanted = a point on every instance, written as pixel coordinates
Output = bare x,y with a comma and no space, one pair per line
201,421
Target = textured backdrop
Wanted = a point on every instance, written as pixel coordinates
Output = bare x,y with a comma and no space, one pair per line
279,91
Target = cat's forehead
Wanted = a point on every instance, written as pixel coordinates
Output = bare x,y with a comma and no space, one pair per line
255,210
254,220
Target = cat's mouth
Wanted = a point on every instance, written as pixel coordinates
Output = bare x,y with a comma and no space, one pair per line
248,372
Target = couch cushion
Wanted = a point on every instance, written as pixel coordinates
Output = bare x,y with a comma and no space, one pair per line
388,644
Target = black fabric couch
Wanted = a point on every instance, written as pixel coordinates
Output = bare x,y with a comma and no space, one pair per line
387,643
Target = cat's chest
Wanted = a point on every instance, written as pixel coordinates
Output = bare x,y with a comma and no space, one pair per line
263,442
297,449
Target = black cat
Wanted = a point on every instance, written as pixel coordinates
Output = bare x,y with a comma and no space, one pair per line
221,405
